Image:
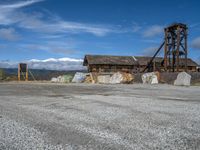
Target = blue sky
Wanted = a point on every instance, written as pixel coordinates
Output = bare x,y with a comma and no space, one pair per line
43,29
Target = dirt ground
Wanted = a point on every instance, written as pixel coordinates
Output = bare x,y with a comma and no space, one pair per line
86,116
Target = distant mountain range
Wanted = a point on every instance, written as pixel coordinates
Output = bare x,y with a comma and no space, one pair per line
48,64
39,74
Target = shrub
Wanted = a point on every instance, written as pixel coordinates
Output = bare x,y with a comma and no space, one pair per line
2,74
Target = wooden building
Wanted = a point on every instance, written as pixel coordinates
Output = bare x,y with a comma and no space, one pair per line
102,63
158,64
129,64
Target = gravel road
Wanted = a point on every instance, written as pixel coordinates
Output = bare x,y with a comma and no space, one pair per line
108,117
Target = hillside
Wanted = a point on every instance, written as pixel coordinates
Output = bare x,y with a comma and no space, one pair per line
39,74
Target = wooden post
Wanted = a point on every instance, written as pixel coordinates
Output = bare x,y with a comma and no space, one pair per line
186,51
166,50
26,73
177,50
19,73
22,70
154,66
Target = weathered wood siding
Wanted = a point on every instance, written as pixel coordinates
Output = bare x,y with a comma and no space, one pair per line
131,69
112,68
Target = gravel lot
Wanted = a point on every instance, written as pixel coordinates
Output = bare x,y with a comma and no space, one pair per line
85,116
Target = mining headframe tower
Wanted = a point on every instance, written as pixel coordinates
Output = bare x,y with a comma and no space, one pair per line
175,47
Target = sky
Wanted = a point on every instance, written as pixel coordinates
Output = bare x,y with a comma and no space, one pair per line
56,34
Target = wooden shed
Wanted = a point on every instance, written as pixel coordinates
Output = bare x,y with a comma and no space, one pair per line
158,64
129,64
103,63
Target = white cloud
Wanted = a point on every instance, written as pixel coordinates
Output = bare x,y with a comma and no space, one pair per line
56,64
67,47
194,25
63,51
60,26
10,13
49,64
9,34
196,43
136,27
46,22
153,31
65,59
19,4
150,51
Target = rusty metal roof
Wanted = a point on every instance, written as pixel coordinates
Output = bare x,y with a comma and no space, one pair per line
144,60
108,60
189,61
126,60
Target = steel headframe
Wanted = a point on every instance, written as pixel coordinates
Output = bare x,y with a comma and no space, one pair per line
175,47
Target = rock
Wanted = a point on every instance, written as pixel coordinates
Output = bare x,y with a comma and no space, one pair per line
66,78
59,78
158,75
116,78
183,79
79,77
88,79
54,79
93,76
127,78
105,79
62,79
150,78
154,79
